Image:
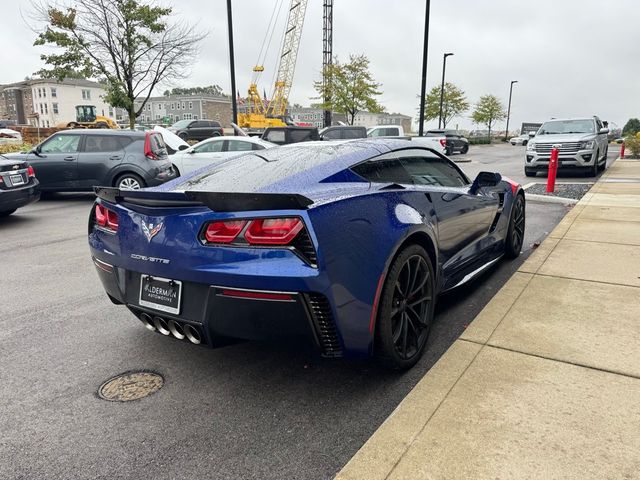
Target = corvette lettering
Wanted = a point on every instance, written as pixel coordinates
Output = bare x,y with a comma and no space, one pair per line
164,261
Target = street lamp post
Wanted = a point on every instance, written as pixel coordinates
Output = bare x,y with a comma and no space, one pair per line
506,135
423,88
444,67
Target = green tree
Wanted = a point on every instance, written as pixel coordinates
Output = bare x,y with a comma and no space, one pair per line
631,127
128,44
488,110
454,103
350,88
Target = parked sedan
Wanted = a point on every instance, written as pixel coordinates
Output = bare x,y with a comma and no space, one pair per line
78,160
18,185
214,150
522,139
344,246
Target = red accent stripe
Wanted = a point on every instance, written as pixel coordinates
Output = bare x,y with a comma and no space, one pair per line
376,299
283,297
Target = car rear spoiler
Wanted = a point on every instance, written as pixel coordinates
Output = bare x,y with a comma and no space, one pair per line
216,201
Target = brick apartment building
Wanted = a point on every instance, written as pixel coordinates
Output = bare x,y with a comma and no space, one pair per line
171,108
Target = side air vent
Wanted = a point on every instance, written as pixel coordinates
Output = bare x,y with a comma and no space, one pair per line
498,213
303,246
324,324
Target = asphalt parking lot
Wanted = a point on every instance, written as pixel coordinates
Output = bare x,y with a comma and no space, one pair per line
245,411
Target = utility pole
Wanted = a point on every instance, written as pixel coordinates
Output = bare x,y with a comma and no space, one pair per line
506,135
234,100
444,67
423,88
327,56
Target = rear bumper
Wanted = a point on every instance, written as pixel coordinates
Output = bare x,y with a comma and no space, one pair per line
19,197
220,313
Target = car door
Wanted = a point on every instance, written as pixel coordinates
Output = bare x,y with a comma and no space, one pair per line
464,218
202,154
56,161
99,156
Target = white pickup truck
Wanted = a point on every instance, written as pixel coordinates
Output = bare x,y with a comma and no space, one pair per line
439,144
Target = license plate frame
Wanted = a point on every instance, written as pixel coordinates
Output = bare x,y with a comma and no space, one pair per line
169,305
16,180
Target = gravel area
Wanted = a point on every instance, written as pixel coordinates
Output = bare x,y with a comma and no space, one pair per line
565,190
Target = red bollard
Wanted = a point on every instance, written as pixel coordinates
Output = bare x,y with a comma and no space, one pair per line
622,150
553,170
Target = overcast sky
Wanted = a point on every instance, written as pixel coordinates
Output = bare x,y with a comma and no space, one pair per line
570,57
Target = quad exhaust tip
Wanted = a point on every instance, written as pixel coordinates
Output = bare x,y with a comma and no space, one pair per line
171,327
161,325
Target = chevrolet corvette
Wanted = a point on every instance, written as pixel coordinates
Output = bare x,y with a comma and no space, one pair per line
344,246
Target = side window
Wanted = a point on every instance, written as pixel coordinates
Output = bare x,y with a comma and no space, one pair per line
61,144
332,135
209,147
276,136
352,133
598,124
391,132
383,171
378,132
104,143
238,146
300,135
425,169
257,146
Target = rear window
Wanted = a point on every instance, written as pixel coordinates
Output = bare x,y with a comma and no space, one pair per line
301,135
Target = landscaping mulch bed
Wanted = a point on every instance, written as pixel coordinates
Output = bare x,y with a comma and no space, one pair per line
565,190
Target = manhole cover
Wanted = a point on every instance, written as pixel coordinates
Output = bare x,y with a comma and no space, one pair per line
130,386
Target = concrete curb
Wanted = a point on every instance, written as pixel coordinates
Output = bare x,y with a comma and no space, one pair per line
532,197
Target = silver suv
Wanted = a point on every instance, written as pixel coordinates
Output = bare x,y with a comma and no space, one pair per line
582,143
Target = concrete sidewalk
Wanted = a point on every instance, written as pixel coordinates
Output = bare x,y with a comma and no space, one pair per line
545,383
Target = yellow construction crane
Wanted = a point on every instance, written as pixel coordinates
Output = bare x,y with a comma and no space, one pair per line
259,114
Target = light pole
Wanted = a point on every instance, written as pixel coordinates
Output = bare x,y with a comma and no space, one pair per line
423,88
234,103
506,135
444,67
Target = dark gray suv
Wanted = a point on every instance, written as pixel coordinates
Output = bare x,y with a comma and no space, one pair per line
78,160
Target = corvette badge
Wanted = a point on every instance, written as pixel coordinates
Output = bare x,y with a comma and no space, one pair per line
150,230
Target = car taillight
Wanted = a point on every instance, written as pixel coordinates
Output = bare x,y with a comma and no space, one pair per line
31,172
224,231
259,231
148,151
105,218
443,142
273,231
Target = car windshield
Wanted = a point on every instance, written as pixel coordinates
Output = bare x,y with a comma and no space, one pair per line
558,127
181,124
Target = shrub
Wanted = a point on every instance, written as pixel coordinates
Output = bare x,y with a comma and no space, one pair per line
15,147
633,144
478,141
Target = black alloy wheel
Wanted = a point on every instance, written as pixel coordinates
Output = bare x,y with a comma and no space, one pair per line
406,309
515,232
465,149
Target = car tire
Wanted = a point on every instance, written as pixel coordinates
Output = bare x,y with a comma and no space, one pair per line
101,125
183,136
129,181
603,167
515,232
402,328
529,173
465,149
177,170
447,151
72,125
6,213
593,170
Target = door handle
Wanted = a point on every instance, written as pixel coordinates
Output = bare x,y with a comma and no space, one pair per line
115,157
69,159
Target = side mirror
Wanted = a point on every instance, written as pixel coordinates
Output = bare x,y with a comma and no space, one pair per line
532,134
182,147
485,179
36,151
604,130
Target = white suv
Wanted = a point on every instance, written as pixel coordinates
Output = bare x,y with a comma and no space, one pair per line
582,143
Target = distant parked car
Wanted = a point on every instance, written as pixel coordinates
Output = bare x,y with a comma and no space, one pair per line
343,132
522,139
455,141
215,150
18,185
196,129
438,143
287,135
78,160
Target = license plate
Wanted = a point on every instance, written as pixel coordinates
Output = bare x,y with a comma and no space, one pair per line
160,294
16,180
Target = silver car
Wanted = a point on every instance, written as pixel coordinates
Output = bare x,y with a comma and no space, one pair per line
582,144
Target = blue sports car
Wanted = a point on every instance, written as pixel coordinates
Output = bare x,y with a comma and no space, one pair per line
345,246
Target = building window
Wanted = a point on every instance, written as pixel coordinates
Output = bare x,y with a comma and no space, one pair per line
111,111
183,106
158,116
39,93
190,105
204,115
54,92
195,117
86,94
46,108
187,116
41,109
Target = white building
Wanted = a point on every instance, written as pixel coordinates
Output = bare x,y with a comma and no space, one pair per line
54,102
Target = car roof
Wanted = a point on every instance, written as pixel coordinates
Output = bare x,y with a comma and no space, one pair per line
105,131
